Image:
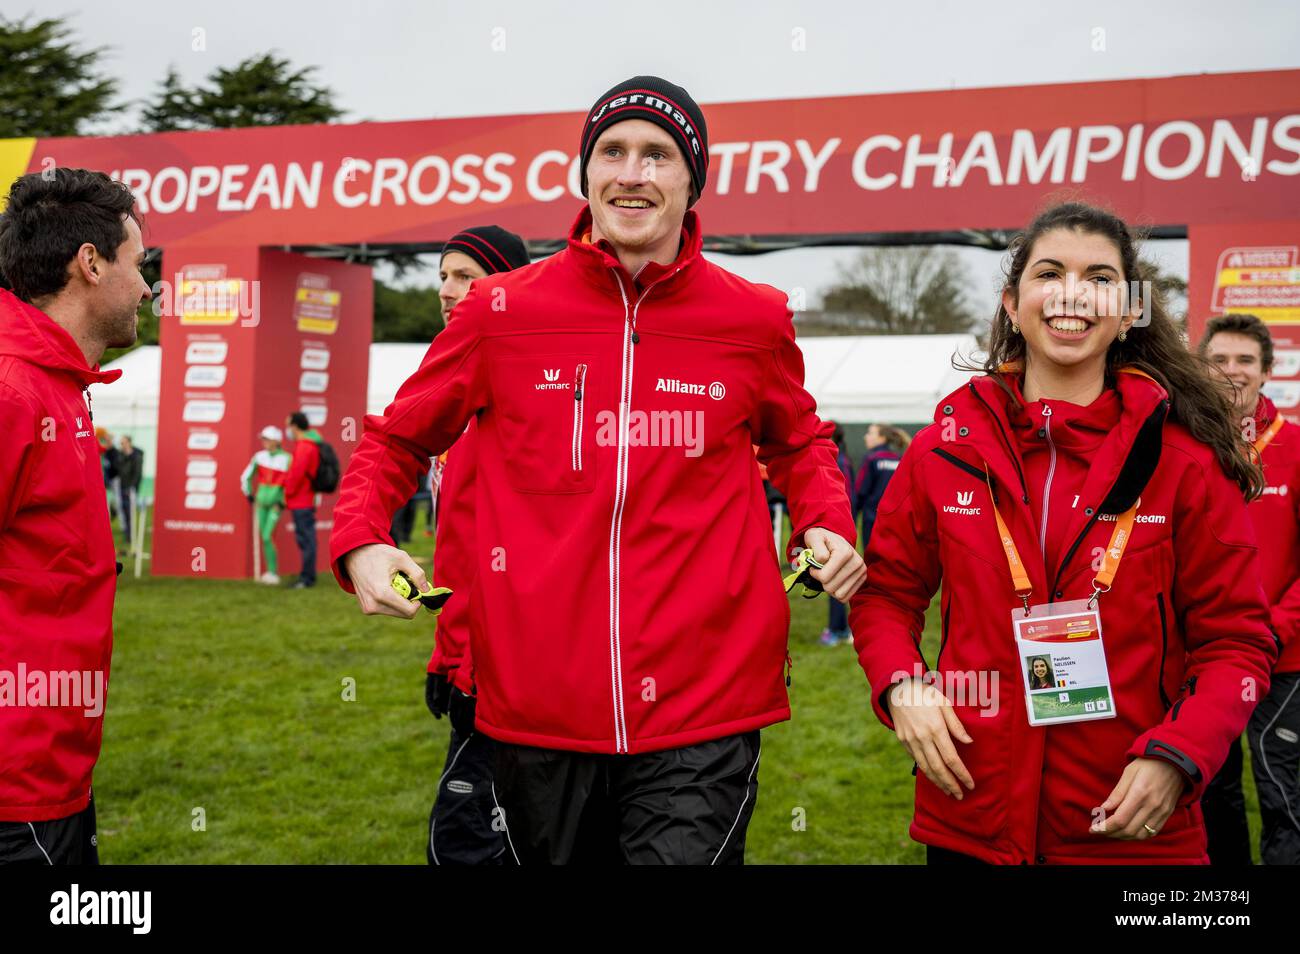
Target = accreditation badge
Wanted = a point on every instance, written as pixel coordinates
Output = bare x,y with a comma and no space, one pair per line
1063,663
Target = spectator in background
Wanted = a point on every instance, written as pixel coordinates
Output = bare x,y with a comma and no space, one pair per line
130,470
837,627
885,446
263,484
299,496
108,465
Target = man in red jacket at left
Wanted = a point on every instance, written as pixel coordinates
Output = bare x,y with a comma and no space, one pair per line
70,252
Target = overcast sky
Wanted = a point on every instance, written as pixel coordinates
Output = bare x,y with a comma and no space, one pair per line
389,60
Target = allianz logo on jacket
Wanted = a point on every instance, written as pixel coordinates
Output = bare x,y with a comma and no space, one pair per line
964,500
717,390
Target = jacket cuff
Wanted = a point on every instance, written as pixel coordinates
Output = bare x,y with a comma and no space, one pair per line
1283,626
847,529
884,675
342,544
1149,747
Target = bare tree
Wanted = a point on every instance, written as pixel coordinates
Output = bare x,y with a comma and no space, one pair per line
899,291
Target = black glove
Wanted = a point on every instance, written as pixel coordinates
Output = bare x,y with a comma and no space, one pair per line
437,694
461,708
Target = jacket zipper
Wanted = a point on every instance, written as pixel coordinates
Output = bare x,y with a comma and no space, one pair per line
620,497
1056,583
1189,689
938,660
1164,650
579,377
1011,451
1047,484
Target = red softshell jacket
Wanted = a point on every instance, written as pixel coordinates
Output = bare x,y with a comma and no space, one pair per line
58,569
453,564
298,492
1276,516
1185,625
628,594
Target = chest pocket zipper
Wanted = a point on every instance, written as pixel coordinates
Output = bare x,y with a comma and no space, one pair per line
579,379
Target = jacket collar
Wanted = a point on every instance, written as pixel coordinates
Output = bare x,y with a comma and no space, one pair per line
1265,411
1119,471
596,259
1131,450
28,333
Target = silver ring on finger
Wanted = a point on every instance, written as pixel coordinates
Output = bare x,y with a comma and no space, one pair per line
1150,829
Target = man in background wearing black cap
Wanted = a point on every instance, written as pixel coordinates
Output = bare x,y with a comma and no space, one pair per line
460,824
630,627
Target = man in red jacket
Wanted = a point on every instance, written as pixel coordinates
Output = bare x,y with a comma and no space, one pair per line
631,627
1241,346
460,823
70,253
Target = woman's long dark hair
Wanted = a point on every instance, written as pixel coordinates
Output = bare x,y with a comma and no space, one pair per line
1196,400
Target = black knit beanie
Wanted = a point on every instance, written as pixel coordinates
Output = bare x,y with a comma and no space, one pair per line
660,102
495,249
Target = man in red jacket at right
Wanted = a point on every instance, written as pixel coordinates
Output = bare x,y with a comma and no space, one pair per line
631,629
1241,346
70,253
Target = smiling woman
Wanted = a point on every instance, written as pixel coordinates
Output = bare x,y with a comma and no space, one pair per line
1092,434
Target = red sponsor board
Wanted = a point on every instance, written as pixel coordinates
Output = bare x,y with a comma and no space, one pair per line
239,353
1252,268
1164,152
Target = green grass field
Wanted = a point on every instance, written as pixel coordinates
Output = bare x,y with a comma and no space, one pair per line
228,697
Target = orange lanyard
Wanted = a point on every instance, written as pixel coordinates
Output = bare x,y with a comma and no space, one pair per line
1101,583
1267,437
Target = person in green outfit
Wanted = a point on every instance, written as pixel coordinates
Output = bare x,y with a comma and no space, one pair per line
267,472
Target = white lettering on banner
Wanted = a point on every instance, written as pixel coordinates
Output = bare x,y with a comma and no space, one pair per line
203,526
1174,150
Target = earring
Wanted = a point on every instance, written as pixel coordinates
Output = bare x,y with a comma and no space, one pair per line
1123,336
1015,328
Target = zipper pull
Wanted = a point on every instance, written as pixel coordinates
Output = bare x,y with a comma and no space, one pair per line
789,667
579,375
1047,409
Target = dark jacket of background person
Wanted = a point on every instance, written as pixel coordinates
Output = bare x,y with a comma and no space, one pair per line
130,468
57,563
873,477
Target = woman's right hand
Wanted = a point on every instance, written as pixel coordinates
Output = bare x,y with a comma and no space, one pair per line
925,722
